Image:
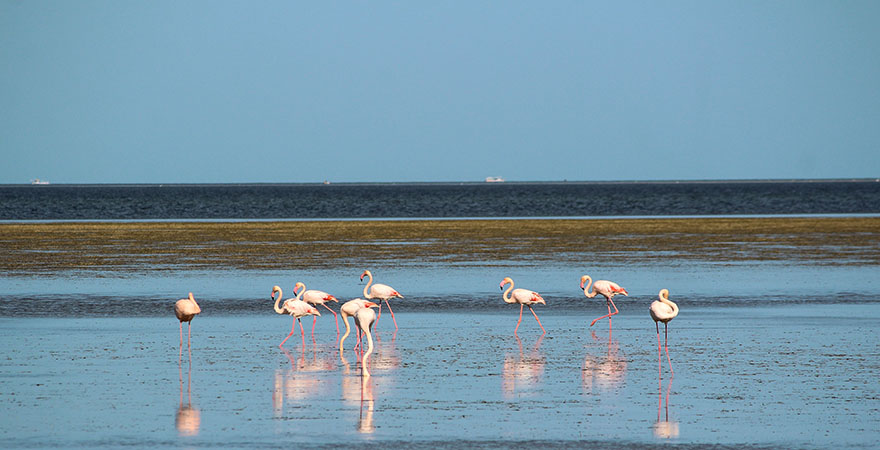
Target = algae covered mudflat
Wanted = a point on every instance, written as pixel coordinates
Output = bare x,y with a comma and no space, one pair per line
32,248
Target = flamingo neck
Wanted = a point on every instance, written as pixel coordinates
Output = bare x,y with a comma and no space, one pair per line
367,287
347,331
506,294
277,301
587,291
193,300
665,299
301,292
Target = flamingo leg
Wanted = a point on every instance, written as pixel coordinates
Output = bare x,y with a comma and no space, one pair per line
303,331
180,353
335,317
314,321
659,359
520,319
536,318
666,346
292,329
392,314
607,315
379,316
189,341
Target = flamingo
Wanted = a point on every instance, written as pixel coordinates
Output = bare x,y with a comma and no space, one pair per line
663,310
185,309
297,309
349,309
605,288
364,318
316,298
381,292
525,298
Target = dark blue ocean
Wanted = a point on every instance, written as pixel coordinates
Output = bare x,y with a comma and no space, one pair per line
426,200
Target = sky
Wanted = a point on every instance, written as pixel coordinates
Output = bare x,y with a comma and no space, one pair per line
377,91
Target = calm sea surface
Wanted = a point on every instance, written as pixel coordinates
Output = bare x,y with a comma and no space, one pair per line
311,201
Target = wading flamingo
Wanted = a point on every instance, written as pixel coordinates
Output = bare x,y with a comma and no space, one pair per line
297,309
185,309
349,309
663,310
525,298
364,318
380,292
316,298
605,288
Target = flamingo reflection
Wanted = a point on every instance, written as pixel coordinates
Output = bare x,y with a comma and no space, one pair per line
520,374
365,421
188,418
663,427
607,372
298,382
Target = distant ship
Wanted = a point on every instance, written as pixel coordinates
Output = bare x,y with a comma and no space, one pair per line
494,180
39,181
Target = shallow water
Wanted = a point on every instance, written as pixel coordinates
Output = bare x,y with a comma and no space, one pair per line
792,376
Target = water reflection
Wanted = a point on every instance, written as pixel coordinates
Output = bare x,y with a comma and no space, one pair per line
298,382
188,418
663,427
521,374
365,421
605,372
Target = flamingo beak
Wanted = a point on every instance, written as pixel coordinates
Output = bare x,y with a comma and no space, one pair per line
371,305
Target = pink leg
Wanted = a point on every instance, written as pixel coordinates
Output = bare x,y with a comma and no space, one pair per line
189,340
180,353
536,318
392,314
607,315
609,320
379,315
520,319
314,321
303,331
665,346
335,317
292,329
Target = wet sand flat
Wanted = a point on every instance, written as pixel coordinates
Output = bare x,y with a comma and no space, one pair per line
37,248
789,376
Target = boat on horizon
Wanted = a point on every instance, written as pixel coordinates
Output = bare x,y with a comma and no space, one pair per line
494,180
39,181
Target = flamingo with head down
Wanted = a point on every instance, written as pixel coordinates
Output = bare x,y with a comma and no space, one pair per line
185,309
524,297
605,288
663,310
381,292
297,309
349,309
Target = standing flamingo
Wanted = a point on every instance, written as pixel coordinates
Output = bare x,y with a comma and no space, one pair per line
185,309
364,318
663,310
381,292
349,309
605,288
297,309
316,298
525,298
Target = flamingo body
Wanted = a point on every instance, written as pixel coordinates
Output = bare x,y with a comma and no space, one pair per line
663,310
380,292
524,297
296,308
316,298
605,288
185,309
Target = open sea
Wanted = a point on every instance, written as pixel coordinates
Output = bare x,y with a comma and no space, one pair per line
435,200
777,344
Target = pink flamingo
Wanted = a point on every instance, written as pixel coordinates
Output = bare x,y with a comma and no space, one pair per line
525,298
605,288
349,309
185,309
364,318
381,292
297,309
663,310
316,298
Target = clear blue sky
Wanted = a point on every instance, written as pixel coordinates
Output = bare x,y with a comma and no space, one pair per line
290,91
